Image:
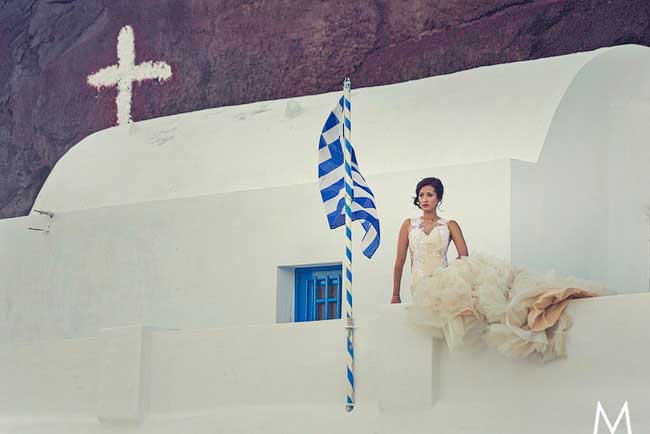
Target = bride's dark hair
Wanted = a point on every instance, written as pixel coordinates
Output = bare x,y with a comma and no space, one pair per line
433,182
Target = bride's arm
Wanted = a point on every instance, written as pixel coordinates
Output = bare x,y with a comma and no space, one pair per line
457,237
402,246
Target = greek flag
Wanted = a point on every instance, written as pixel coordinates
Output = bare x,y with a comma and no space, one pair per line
331,174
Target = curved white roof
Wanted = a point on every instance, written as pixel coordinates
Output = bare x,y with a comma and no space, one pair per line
495,112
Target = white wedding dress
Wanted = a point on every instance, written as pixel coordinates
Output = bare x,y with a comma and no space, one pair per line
481,300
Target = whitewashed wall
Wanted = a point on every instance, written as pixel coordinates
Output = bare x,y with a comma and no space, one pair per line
583,207
289,378
162,236
212,261
183,221
496,112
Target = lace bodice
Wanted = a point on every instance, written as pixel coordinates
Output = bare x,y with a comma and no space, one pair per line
428,252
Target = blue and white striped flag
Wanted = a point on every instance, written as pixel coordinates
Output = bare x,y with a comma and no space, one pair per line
331,172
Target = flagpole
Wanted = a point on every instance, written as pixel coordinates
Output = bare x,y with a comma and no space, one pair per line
347,278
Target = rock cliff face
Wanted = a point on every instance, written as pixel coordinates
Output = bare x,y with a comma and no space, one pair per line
225,52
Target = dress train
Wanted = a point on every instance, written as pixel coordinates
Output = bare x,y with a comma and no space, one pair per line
481,300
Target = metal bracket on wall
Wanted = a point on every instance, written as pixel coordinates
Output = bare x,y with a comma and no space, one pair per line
50,214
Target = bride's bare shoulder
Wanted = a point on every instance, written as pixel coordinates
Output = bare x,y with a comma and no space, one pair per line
406,227
453,225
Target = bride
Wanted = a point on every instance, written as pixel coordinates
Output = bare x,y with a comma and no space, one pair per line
480,300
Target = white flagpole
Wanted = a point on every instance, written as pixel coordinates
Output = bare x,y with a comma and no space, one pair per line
347,278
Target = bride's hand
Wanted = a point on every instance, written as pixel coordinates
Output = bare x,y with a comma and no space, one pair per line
395,299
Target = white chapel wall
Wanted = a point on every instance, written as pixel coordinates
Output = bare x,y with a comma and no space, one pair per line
194,239
583,207
212,261
483,114
202,380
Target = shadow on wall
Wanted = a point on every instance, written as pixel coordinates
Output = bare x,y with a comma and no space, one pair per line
582,208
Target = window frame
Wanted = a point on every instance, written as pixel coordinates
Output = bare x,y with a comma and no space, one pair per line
306,298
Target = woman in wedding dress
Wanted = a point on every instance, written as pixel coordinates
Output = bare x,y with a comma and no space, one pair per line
480,300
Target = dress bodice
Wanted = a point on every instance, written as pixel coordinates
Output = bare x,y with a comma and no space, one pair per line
428,252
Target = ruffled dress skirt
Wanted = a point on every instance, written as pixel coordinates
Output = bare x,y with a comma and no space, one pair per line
480,301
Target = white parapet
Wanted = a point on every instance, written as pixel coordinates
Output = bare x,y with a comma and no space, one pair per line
289,378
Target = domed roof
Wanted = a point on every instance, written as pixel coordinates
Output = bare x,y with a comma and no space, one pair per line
495,112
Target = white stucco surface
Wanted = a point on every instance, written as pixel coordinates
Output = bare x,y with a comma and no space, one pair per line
584,207
496,112
149,302
182,258
212,261
283,378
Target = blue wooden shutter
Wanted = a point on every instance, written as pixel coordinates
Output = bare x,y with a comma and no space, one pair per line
318,293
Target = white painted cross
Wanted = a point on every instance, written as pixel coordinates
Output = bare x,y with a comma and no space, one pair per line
126,72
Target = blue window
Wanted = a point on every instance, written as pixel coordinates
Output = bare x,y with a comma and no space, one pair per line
318,293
